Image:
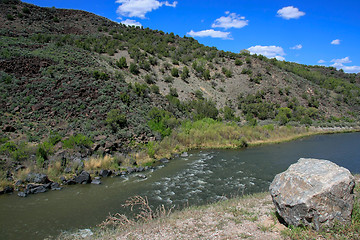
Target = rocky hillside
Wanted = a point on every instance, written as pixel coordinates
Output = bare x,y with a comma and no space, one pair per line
73,76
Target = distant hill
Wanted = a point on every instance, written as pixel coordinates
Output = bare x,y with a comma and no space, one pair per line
70,71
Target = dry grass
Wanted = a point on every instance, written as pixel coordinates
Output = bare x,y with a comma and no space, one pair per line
243,217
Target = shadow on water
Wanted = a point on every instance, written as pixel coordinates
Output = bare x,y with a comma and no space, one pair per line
199,178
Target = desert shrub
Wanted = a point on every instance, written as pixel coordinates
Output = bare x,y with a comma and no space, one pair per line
124,97
10,17
206,74
121,63
116,120
149,79
134,69
79,140
229,113
238,62
173,92
174,72
185,73
256,106
168,79
155,89
26,10
199,95
204,109
140,89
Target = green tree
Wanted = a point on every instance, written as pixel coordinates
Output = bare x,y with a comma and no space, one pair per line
284,115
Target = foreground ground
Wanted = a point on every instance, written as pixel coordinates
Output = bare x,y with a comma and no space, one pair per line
247,217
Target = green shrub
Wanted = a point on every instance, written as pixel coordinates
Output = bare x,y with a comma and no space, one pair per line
185,73
238,62
79,140
140,89
161,121
284,115
206,74
174,72
26,10
155,89
121,63
229,113
168,79
173,92
116,120
10,17
204,109
134,69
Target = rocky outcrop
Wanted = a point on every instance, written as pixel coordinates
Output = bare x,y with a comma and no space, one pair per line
314,193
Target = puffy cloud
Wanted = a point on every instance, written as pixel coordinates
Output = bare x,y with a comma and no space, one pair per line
297,47
232,20
321,61
210,33
131,22
339,64
351,69
138,8
290,12
335,42
268,51
342,60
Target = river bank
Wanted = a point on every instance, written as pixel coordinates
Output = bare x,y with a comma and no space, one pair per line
246,217
203,134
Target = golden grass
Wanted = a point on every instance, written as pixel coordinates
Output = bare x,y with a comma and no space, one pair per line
95,163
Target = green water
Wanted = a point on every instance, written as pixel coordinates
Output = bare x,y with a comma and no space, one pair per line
200,178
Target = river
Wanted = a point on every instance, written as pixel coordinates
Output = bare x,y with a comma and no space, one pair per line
201,177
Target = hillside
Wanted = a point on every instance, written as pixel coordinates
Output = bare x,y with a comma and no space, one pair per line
74,80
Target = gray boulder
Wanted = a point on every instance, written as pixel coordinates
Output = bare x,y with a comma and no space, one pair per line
314,193
83,178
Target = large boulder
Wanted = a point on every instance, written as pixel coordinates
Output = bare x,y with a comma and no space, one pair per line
83,178
314,193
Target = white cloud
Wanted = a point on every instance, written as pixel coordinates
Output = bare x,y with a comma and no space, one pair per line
232,20
138,8
268,51
339,64
335,42
131,22
210,33
342,60
351,69
290,12
321,61
297,47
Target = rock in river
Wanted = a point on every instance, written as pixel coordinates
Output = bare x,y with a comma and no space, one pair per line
314,193
83,177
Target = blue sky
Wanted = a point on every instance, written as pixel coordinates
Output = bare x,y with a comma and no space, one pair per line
315,32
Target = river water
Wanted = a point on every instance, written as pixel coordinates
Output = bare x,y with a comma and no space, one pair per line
201,177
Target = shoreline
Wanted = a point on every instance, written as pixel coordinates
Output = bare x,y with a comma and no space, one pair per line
93,175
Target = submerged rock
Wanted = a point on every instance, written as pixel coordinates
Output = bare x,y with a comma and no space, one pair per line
96,182
314,193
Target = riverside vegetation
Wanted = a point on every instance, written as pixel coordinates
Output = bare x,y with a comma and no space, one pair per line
80,92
